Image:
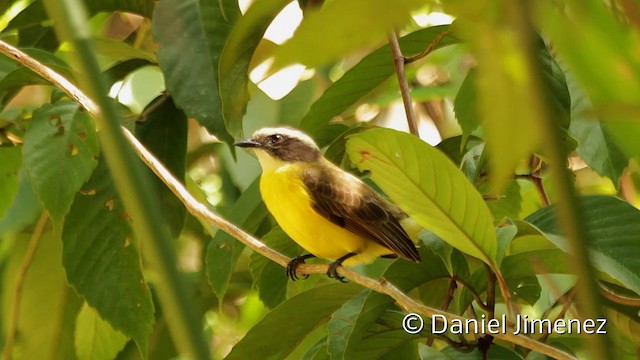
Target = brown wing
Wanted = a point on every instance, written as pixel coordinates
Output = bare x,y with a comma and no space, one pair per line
353,205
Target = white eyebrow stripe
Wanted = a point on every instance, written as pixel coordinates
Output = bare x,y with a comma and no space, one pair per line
288,132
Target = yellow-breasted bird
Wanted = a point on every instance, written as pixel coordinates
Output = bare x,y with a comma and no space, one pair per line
329,212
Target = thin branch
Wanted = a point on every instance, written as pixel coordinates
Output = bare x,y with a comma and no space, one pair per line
447,301
202,212
474,293
20,279
398,64
429,48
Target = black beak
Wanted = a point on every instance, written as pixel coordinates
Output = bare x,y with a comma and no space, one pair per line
247,144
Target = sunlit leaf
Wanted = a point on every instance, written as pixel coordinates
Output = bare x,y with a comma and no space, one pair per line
11,164
45,295
60,153
102,261
95,339
425,184
613,227
293,320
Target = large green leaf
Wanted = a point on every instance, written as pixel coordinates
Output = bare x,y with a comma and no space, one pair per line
223,250
236,56
188,57
60,153
48,306
349,323
357,23
102,260
370,72
95,339
613,228
292,321
426,184
164,133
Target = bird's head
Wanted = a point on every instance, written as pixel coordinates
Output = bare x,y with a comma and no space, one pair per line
281,145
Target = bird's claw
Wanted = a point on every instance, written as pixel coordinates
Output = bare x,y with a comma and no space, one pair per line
292,267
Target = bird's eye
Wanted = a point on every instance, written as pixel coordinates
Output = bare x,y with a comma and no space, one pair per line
276,139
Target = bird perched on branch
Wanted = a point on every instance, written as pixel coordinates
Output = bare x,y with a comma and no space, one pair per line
329,212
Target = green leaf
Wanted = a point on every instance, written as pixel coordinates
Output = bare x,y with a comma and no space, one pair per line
370,72
268,276
595,145
11,164
357,23
95,339
25,207
236,56
223,250
387,340
292,321
613,230
102,260
118,51
164,133
425,184
349,324
508,203
466,106
48,306
187,57
60,153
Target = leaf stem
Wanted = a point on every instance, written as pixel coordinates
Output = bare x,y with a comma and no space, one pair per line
201,212
429,48
398,64
20,280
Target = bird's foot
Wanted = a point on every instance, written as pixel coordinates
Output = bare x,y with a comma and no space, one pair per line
292,266
332,272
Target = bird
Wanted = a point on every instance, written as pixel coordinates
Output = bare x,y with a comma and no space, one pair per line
329,212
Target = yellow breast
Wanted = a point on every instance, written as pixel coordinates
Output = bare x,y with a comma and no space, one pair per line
289,202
